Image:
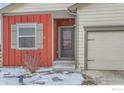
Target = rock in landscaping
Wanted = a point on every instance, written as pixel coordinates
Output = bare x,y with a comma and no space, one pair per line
57,79
40,83
58,71
48,72
68,72
9,76
6,74
21,77
28,76
88,80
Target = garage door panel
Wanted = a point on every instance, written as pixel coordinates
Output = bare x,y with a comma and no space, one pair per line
106,59
115,34
106,65
107,43
98,43
106,50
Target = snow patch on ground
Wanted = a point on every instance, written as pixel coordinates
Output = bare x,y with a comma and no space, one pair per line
9,76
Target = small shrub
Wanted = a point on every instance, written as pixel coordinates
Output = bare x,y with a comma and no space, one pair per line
31,62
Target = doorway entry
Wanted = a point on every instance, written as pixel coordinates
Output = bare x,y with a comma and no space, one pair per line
66,42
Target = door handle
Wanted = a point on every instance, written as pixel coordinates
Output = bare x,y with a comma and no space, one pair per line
91,39
91,60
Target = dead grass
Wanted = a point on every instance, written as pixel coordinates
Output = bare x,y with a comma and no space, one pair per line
88,80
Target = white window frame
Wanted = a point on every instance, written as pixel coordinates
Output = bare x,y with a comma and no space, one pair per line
27,24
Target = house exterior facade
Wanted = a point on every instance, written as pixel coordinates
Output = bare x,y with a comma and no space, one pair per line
89,35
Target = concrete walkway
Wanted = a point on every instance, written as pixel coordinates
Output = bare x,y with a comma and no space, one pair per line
106,77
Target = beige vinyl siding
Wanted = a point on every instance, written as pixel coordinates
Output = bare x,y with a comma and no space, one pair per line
80,44
94,15
31,7
101,14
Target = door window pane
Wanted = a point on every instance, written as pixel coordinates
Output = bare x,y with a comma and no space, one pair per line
67,35
67,44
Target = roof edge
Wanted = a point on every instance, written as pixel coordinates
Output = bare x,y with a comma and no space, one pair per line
75,6
72,8
4,9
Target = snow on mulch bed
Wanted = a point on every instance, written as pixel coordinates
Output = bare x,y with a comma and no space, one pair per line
9,76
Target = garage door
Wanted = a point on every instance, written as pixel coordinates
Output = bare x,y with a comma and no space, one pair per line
106,50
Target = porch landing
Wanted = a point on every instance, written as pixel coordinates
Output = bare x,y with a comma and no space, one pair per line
64,65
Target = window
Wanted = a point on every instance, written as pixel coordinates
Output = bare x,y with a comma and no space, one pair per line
26,36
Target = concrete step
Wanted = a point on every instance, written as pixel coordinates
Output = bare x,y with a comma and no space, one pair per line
64,66
64,62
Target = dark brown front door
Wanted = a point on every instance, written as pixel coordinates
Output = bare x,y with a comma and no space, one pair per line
67,42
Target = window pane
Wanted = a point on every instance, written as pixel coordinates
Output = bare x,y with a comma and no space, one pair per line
27,31
67,33
26,42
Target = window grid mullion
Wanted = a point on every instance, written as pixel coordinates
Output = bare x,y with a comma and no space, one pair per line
27,36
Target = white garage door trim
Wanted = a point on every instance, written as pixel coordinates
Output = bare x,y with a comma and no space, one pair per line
104,28
99,29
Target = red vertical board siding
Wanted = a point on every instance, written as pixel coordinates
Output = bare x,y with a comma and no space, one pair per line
17,55
12,51
5,43
13,57
49,41
57,24
55,40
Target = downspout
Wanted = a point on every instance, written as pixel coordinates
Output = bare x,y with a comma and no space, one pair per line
75,15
